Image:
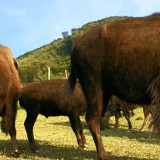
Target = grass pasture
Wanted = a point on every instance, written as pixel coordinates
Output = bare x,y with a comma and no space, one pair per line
57,140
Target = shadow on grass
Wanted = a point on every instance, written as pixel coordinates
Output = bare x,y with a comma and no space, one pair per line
54,152
141,136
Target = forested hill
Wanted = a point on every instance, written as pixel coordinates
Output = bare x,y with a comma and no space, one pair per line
33,66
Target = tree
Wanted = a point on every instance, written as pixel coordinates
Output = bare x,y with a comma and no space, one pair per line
65,34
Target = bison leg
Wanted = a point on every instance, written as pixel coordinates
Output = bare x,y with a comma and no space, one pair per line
9,126
129,122
29,123
16,150
94,125
94,113
146,112
116,120
105,121
132,113
127,116
106,114
77,128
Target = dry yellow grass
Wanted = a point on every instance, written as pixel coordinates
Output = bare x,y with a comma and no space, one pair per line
57,141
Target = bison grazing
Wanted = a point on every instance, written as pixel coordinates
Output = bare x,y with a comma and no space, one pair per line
10,87
120,58
114,108
45,97
116,105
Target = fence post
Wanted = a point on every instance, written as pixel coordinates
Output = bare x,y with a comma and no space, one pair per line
49,73
66,74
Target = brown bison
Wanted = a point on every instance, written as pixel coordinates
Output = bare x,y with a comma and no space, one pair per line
120,58
10,87
114,108
45,97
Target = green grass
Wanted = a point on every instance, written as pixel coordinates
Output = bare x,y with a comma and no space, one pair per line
57,140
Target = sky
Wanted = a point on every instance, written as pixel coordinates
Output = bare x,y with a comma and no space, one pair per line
29,24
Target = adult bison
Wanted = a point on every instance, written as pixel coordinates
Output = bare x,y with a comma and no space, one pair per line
10,87
119,58
45,97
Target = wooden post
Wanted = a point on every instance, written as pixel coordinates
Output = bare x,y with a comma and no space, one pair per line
66,74
49,73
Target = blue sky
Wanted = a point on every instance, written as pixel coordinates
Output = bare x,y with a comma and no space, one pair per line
29,24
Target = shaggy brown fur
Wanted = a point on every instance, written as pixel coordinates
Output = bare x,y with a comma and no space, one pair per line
120,58
116,105
45,97
9,94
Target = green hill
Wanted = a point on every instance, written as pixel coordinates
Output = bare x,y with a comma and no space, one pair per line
56,55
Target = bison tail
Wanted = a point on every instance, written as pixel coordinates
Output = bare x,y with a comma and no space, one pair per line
70,85
155,94
6,124
3,125
155,122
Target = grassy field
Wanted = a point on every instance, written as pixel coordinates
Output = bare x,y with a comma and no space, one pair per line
57,140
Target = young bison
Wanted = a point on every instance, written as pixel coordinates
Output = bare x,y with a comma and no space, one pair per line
45,98
116,105
114,108
10,87
120,58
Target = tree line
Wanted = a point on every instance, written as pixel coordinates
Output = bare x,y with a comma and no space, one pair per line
56,55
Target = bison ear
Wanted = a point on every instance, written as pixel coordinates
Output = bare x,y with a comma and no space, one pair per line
16,64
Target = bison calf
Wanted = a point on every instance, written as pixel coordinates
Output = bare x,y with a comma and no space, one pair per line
45,98
116,105
114,108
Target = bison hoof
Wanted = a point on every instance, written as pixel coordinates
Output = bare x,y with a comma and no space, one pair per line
83,146
34,148
103,157
17,153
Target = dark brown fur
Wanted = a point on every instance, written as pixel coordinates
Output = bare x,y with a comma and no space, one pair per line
45,97
116,105
9,94
120,58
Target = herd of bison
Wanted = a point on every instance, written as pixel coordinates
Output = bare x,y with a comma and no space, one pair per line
114,67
